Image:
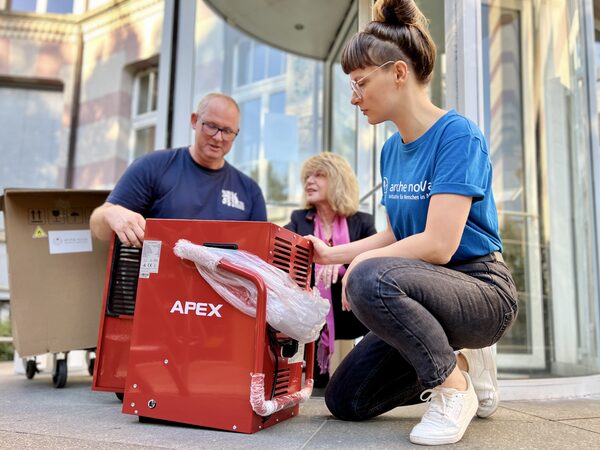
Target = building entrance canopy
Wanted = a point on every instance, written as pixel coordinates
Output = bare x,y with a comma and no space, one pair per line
307,28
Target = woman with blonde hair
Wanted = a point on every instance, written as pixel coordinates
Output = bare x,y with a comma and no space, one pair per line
434,281
331,213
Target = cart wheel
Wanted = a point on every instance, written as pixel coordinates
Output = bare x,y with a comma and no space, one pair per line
31,369
59,376
120,396
91,363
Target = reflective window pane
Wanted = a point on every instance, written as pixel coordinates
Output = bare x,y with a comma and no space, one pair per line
259,62
144,141
32,154
280,100
144,86
276,63
538,131
243,62
248,142
23,5
60,6
277,102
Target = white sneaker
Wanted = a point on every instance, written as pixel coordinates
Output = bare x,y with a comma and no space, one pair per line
447,417
482,369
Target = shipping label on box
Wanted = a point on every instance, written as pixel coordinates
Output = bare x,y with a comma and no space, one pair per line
69,241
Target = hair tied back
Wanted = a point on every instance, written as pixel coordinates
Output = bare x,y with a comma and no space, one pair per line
390,16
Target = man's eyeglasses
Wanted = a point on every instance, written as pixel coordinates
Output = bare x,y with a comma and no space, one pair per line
211,129
355,84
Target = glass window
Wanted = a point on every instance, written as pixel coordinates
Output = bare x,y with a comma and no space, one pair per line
243,62
248,141
32,153
143,87
277,102
144,141
344,121
43,6
280,101
256,61
259,62
276,63
60,6
23,5
146,85
351,134
537,126
144,114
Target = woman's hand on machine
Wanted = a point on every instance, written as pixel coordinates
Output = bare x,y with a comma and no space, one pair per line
320,250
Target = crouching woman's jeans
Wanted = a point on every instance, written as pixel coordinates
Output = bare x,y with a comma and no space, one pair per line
418,314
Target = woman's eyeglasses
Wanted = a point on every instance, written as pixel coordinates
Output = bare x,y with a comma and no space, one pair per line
355,85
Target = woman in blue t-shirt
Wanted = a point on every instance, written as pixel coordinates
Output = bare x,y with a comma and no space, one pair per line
434,281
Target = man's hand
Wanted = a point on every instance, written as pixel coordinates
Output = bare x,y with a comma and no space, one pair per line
129,226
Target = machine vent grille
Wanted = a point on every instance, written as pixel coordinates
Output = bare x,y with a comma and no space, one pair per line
281,378
292,259
123,280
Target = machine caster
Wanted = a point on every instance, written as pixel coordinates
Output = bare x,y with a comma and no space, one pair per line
31,368
91,363
90,359
120,396
59,375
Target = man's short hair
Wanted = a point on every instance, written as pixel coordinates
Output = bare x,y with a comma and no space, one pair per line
208,97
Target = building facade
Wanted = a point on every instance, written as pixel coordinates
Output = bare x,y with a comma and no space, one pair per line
84,92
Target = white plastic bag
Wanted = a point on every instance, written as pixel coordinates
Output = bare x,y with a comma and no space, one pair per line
298,313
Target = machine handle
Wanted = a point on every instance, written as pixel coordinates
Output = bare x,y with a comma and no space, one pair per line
261,308
261,406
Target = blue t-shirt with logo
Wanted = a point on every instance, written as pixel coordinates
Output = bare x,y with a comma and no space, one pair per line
169,184
450,158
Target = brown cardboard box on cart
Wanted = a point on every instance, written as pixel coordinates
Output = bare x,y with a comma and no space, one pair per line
56,269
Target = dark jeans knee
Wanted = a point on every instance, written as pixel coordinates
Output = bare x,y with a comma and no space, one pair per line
362,283
340,404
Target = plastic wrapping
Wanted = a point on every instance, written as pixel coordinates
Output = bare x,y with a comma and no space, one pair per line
264,407
298,313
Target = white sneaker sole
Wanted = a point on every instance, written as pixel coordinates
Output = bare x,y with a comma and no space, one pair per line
485,411
441,440
448,439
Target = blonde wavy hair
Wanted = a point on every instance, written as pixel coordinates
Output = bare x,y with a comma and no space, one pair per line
342,185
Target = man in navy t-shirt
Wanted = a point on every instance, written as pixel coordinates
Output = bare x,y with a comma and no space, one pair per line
192,182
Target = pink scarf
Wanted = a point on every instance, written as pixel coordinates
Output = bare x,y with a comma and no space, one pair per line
339,235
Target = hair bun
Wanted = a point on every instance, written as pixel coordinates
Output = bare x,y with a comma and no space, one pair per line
390,16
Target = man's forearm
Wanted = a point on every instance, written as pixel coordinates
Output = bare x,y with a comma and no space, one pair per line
99,225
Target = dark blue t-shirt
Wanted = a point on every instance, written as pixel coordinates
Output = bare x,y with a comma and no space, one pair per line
450,158
169,184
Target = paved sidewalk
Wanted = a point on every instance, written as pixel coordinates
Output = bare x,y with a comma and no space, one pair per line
33,414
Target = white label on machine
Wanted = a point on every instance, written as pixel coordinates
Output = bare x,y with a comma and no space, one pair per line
150,258
70,241
299,356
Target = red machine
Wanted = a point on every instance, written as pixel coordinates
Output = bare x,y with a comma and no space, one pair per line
191,353
112,350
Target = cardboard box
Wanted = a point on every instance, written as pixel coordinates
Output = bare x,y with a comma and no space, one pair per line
56,269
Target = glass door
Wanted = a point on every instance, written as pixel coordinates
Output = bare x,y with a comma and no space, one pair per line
510,131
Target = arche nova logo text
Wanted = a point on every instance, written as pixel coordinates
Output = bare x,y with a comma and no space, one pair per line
406,191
